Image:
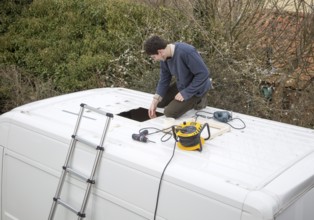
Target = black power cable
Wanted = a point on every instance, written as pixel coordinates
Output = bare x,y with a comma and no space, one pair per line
164,138
161,178
144,131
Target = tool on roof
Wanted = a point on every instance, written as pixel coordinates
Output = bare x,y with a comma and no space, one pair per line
223,116
141,137
188,135
66,169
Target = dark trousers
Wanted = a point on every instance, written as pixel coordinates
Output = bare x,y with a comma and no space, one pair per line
174,108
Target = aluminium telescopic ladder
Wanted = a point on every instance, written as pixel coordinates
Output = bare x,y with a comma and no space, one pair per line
66,169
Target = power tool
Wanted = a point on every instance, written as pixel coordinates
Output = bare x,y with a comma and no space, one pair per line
141,137
188,135
222,116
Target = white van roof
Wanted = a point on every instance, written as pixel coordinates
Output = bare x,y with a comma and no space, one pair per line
239,167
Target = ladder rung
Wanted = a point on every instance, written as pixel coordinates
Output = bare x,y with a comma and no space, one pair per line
97,110
66,205
84,141
77,173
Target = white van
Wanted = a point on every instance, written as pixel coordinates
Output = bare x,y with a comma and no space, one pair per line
264,171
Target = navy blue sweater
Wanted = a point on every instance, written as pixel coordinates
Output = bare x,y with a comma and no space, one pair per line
189,70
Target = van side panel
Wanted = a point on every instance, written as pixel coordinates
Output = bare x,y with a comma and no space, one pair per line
30,186
27,187
1,167
302,209
32,167
4,131
250,216
40,147
180,203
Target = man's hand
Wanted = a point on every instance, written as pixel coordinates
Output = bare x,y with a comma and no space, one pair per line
152,109
179,97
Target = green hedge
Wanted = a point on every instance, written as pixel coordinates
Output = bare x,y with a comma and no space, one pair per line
78,43
59,46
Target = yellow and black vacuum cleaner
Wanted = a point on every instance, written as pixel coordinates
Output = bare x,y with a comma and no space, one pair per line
188,135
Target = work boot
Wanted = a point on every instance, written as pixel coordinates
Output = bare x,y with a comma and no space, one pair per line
201,103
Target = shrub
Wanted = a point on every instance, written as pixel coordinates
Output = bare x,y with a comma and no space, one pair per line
80,44
18,87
